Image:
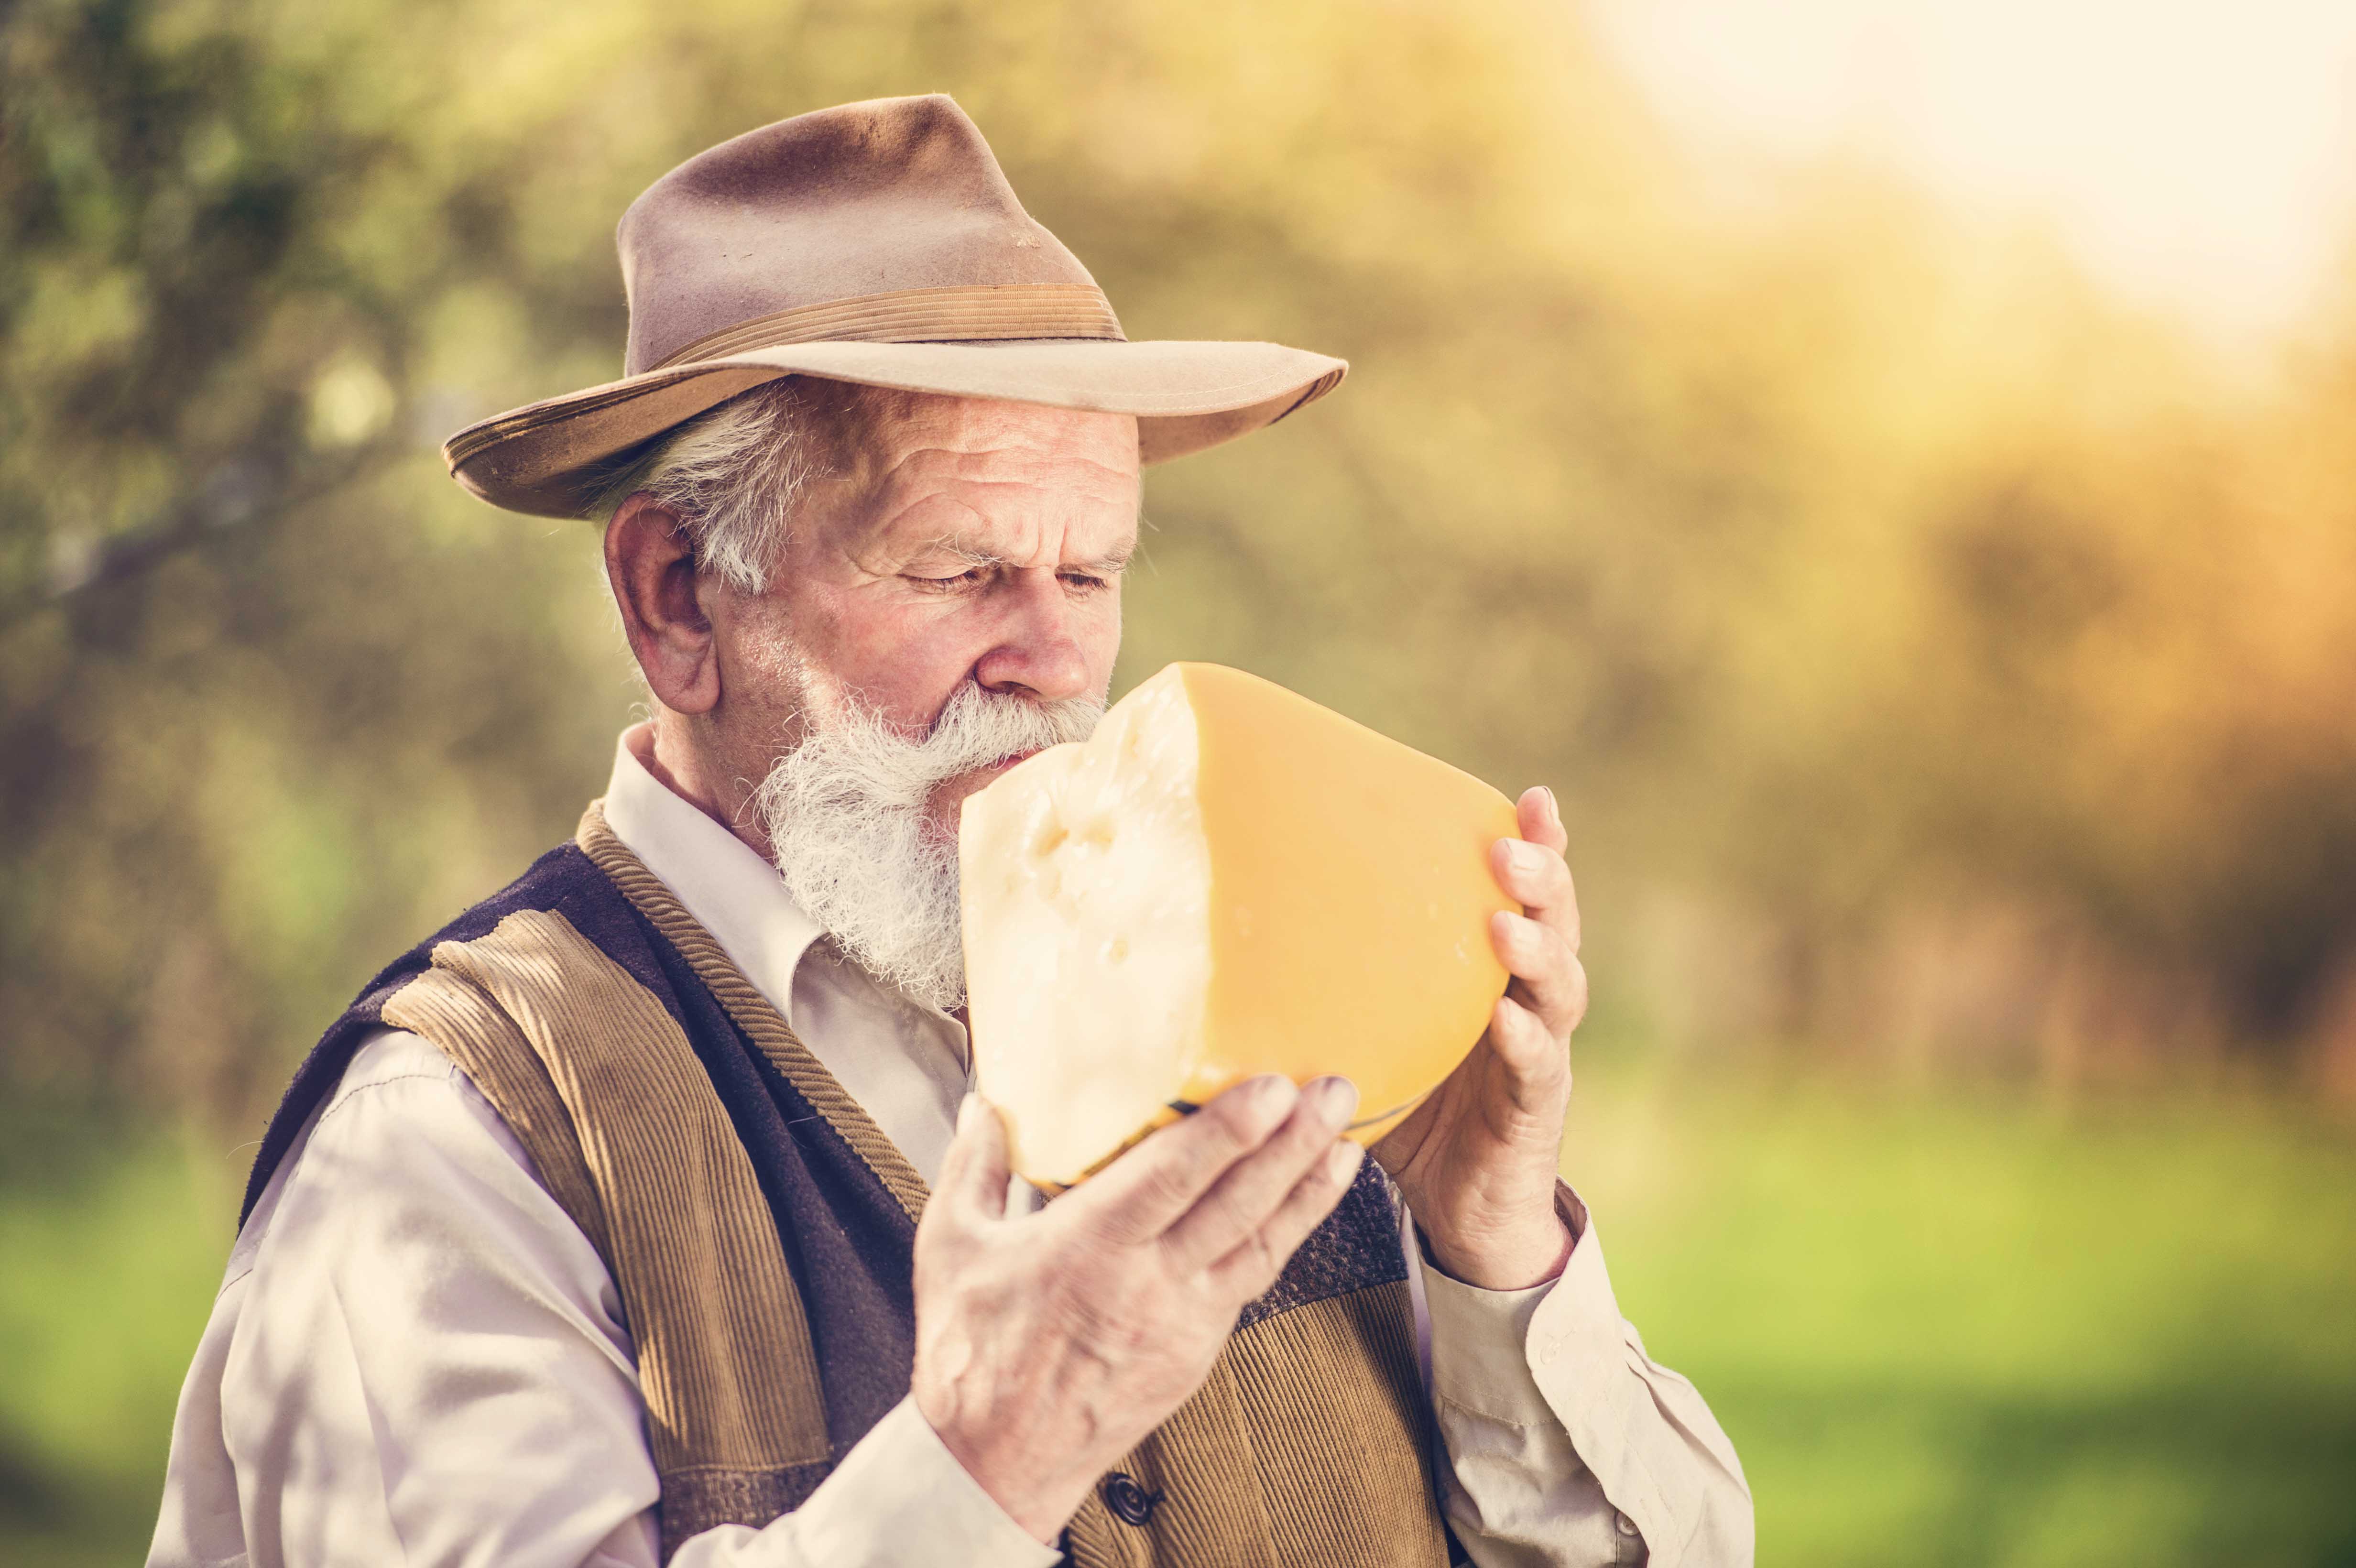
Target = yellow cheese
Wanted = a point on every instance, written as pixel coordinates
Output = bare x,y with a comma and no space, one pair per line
1227,879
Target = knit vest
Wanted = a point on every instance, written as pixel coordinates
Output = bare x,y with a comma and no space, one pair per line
759,1228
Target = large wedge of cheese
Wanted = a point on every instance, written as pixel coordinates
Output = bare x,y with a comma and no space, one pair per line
1227,879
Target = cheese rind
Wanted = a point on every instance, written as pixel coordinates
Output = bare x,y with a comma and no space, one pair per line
1227,879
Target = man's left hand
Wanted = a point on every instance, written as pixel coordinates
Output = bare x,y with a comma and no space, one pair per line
1477,1160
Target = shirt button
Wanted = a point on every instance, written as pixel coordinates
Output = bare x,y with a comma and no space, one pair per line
1623,1524
1549,1350
1130,1503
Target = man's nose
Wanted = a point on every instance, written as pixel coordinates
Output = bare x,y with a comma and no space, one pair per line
1038,651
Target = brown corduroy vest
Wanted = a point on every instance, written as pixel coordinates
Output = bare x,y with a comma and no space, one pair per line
1309,1444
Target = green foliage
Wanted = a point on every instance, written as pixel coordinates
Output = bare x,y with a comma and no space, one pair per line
1874,591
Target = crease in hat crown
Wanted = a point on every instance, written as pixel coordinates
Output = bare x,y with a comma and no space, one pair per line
831,209
875,242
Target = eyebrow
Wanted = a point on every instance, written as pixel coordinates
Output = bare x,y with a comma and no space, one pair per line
1104,565
1110,564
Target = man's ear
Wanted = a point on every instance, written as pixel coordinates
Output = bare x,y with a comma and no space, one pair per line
651,565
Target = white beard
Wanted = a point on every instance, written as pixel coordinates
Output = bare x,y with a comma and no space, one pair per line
845,811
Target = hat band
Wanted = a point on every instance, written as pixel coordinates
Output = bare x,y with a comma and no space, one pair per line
972,313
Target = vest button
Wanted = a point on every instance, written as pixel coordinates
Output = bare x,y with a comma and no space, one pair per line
1130,1503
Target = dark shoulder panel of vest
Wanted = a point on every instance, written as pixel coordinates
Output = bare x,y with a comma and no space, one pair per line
1356,1247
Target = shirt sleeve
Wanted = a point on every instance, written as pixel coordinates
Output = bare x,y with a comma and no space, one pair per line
431,1367
1564,1443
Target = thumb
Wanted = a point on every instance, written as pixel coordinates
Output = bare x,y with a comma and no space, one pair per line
974,1173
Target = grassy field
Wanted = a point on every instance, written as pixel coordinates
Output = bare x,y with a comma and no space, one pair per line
109,1258
1952,1331
1943,1328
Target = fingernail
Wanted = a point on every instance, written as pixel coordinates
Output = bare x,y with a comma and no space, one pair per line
1342,1161
1554,806
1332,1099
1525,856
1270,1088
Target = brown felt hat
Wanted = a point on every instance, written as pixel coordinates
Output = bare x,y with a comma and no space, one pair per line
873,242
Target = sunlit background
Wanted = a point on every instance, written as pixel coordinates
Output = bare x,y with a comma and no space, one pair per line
1892,468
2194,157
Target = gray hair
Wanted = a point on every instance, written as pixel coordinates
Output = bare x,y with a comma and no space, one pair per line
735,473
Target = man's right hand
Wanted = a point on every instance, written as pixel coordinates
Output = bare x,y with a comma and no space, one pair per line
1048,1345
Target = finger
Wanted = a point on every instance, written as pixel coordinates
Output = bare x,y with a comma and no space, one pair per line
1540,816
1533,1054
1141,1194
1531,870
1253,1263
1537,878
1546,969
974,1174
1240,1201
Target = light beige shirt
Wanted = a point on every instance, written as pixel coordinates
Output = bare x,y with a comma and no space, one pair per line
416,1358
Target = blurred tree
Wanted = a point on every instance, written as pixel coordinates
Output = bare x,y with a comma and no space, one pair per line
240,681
1929,650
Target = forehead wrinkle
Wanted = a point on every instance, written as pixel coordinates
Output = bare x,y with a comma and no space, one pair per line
919,485
1033,456
982,536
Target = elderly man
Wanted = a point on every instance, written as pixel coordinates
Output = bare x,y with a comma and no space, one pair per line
642,1213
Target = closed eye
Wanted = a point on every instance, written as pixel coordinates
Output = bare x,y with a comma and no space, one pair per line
972,577
1084,582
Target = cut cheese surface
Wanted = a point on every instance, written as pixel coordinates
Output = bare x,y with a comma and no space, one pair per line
1226,879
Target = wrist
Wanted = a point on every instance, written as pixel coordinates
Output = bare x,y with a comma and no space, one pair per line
1526,1257
1040,1499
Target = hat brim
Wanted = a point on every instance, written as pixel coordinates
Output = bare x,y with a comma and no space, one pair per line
551,459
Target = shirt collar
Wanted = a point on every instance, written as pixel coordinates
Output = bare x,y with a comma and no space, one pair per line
732,892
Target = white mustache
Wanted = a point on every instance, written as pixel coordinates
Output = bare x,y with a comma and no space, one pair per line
865,755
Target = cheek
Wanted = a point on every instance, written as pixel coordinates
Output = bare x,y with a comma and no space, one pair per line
908,658
1099,630
765,677
767,656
